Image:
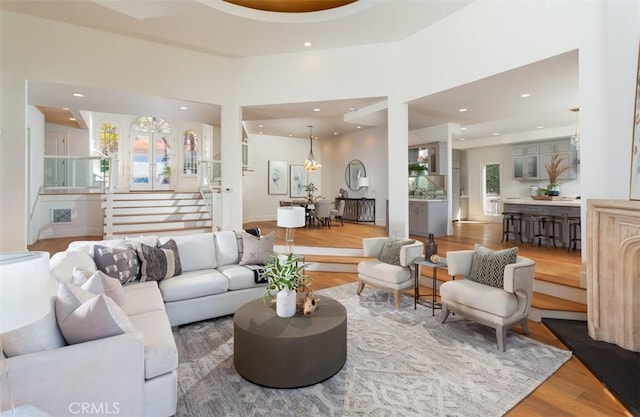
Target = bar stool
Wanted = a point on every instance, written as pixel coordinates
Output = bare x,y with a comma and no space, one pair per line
511,226
539,229
575,228
553,223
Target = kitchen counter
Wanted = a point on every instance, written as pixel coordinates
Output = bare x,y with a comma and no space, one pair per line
427,200
531,201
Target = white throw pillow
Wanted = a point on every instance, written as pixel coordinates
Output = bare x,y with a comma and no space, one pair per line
83,317
86,246
61,264
100,283
226,247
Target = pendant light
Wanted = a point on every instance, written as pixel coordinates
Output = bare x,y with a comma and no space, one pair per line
575,139
311,164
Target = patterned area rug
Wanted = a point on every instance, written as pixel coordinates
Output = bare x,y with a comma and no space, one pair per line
399,363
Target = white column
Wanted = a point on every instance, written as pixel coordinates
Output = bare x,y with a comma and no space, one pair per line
231,150
397,148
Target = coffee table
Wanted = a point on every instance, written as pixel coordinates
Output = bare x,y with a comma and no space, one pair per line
291,352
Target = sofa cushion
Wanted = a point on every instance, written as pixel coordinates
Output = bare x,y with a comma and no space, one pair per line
487,266
160,352
134,242
61,264
193,284
383,271
141,297
87,246
43,334
100,283
257,250
239,277
391,250
226,247
197,251
159,263
481,297
83,317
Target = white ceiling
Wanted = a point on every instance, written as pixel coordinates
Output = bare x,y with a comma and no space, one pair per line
217,27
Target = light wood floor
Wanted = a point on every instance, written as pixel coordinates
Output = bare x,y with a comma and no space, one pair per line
571,391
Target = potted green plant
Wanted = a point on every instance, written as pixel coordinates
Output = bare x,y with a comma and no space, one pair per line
417,169
284,277
310,189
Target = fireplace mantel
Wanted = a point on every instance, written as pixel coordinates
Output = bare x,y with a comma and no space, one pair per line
613,272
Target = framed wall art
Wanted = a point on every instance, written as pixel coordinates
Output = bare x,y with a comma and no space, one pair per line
634,189
277,177
297,181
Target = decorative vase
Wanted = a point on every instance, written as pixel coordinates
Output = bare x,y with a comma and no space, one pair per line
553,190
286,303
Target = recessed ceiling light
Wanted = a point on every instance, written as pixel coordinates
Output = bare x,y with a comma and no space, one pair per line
461,138
463,128
525,95
260,133
183,107
290,135
335,133
540,127
462,109
73,119
259,125
65,108
77,94
357,127
496,134
307,44
316,109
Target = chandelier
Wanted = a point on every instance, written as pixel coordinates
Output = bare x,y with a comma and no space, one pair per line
575,139
311,164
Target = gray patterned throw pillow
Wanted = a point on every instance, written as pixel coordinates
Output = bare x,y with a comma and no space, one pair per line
159,263
120,263
257,250
391,250
488,266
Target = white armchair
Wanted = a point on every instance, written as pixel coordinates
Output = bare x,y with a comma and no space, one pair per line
499,308
378,274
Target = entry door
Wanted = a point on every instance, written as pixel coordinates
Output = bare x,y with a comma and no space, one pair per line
152,162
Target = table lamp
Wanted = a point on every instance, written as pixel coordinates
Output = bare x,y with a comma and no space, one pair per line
290,217
25,291
363,182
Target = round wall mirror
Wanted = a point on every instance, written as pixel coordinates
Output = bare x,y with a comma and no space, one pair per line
354,171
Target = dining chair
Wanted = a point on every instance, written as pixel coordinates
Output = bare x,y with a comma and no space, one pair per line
323,212
339,212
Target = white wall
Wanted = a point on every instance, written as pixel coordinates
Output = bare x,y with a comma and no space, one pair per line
35,161
257,204
368,146
86,212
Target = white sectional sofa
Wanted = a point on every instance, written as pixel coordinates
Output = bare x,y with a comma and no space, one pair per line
131,374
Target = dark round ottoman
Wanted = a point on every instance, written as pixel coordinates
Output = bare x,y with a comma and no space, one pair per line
289,352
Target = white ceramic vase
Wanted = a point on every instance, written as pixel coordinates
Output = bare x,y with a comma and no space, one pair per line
286,303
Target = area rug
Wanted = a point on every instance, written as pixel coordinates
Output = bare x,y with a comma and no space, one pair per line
399,363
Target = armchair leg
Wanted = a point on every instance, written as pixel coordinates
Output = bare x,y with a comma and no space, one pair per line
444,313
524,325
397,296
360,287
501,335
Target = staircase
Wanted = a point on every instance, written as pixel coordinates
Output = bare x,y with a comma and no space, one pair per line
551,299
154,213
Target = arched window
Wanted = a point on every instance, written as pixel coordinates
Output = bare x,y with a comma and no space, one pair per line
109,138
151,124
190,162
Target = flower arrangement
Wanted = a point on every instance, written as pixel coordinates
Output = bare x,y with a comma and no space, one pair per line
555,169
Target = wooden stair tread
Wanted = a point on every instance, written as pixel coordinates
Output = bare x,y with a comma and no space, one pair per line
160,231
556,279
549,302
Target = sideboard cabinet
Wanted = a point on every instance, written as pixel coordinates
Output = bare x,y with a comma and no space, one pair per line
361,210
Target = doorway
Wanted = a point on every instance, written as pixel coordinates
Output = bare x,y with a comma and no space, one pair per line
491,189
151,161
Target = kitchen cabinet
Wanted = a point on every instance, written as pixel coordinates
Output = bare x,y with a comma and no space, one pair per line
428,216
433,155
529,160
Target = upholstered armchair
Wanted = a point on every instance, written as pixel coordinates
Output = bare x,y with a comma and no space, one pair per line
391,266
499,307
